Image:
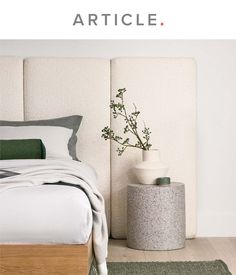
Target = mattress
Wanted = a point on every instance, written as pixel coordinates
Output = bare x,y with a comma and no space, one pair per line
53,214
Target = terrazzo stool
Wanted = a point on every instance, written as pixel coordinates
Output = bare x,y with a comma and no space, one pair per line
156,216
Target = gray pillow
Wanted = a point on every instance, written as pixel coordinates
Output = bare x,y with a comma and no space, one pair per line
70,122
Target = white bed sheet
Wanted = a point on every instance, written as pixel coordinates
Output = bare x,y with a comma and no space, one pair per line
45,214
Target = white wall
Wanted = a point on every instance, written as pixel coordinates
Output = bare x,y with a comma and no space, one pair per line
216,111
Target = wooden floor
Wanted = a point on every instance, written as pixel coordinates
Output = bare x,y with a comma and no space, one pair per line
199,249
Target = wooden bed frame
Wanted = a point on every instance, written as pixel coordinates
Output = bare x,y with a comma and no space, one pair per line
46,259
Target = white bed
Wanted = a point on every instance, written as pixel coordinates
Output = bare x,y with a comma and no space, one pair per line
67,87
45,214
52,203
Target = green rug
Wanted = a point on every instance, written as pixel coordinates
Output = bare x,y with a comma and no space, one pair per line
217,267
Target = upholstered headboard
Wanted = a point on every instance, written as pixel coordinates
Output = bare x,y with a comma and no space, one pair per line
11,88
163,88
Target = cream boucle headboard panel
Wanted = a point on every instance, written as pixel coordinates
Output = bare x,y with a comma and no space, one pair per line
65,86
11,88
164,89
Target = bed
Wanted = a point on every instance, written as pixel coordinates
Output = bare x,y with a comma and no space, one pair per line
51,202
67,88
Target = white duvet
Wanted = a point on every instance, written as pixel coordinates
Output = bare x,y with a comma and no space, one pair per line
45,214
34,173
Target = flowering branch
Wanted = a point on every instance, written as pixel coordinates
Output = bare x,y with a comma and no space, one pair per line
131,126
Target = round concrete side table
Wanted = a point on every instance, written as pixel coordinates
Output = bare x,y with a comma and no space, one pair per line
156,216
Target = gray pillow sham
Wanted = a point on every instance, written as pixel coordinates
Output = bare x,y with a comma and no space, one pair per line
70,122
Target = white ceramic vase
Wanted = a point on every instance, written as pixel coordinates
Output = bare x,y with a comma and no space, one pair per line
150,168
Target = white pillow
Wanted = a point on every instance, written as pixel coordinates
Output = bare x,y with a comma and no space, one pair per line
55,139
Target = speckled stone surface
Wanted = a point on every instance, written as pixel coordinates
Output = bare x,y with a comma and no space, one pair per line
156,216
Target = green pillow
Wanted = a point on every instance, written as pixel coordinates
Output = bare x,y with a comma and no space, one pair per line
22,149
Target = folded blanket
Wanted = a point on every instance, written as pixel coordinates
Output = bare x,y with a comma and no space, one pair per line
37,172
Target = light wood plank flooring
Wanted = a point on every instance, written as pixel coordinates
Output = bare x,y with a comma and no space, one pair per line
199,249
